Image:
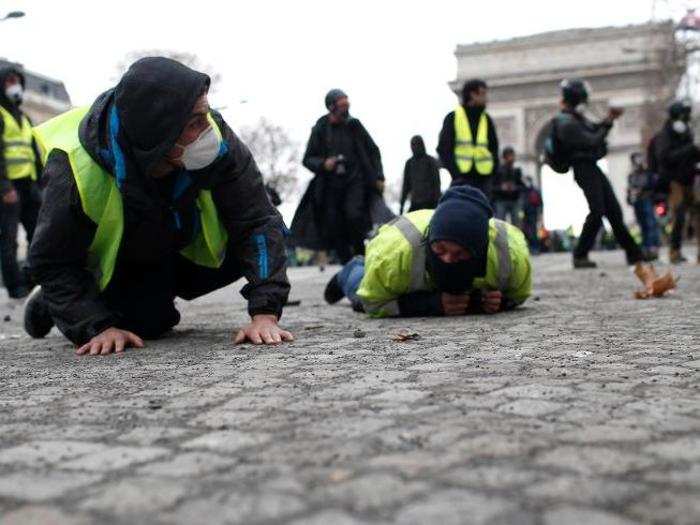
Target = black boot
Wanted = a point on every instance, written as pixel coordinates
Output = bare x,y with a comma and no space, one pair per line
583,263
37,320
333,292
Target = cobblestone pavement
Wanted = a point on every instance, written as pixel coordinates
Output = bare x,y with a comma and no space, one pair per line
583,407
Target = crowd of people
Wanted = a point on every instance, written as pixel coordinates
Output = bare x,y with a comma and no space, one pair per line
148,196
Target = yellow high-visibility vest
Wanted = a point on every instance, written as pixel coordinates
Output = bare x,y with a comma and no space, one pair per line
466,152
20,160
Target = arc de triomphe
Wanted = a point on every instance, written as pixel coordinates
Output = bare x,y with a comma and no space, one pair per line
625,66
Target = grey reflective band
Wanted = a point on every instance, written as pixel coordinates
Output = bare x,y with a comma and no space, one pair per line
504,268
415,239
12,162
14,143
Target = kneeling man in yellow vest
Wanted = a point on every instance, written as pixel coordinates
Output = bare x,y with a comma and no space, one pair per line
150,197
453,260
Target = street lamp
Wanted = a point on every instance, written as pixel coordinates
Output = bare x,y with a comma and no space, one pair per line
13,14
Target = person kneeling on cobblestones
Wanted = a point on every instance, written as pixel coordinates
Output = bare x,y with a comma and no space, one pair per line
150,196
453,260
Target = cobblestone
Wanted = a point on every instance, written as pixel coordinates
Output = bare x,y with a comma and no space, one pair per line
581,407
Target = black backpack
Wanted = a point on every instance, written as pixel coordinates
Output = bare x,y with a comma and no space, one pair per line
554,154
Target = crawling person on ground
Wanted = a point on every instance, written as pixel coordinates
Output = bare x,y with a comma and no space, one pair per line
453,260
150,197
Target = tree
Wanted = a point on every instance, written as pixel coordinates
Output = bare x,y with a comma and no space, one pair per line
189,59
276,153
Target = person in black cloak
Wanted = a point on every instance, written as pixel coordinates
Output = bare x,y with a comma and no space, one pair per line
334,213
187,214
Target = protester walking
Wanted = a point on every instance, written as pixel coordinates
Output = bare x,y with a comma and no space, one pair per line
468,143
334,213
676,156
421,178
532,213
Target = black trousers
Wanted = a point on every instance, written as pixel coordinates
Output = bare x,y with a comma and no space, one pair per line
25,211
345,215
602,202
481,182
143,297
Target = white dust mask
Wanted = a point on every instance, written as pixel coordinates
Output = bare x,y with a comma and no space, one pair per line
679,126
202,152
14,92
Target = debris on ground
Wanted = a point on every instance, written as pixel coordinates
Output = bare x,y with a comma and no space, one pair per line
359,334
654,286
404,337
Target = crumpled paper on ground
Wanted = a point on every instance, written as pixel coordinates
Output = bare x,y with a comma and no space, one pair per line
655,286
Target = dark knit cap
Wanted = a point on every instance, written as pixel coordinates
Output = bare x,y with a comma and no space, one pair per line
462,216
332,97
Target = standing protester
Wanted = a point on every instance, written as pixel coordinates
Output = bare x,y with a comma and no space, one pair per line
640,190
584,143
468,144
532,211
19,169
453,260
334,212
421,178
676,156
150,197
508,189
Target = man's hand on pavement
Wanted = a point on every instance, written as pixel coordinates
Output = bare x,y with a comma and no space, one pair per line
263,329
455,304
491,301
111,340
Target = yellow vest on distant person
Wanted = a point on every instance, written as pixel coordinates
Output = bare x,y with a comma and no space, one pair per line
20,160
466,152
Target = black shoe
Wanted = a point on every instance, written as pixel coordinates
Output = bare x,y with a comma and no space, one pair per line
651,255
333,292
37,320
584,263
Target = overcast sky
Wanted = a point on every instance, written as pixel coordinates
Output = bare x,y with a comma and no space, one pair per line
394,59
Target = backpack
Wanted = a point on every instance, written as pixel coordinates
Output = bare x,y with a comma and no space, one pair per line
554,155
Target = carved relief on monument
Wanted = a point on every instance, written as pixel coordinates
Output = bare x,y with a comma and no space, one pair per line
507,131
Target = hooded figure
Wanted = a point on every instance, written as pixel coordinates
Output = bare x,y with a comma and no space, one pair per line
19,169
453,260
181,176
421,178
334,213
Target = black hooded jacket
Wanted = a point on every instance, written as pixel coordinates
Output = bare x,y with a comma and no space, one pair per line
153,102
676,154
446,142
583,141
421,176
16,112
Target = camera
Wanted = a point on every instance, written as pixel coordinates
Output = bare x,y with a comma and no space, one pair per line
340,161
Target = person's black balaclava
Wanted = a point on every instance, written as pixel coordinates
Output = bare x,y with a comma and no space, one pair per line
462,216
417,146
331,98
10,105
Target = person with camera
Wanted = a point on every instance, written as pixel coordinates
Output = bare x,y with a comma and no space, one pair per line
334,212
508,189
676,156
584,143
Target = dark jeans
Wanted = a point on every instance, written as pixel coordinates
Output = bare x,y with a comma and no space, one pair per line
602,202
646,218
24,211
508,208
345,215
482,182
530,231
143,298
350,277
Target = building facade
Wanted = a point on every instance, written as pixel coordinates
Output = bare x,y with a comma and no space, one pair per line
44,97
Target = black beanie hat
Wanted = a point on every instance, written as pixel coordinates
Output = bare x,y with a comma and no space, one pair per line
332,97
462,216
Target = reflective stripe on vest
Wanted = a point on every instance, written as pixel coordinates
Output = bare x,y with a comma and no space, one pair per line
504,265
20,159
466,152
415,239
101,201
